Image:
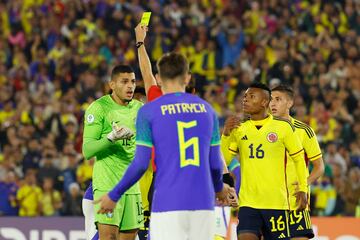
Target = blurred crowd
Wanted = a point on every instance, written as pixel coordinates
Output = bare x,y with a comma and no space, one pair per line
56,55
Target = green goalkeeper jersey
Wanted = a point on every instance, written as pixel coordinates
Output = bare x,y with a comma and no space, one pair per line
112,159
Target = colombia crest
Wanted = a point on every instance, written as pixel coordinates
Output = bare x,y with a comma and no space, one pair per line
272,137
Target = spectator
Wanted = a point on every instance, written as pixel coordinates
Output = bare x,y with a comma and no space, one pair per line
73,200
340,188
322,123
8,190
355,154
332,157
48,170
352,193
325,197
231,42
51,200
29,196
32,157
69,173
84,173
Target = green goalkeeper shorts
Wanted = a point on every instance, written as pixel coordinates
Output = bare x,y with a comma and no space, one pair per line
127,215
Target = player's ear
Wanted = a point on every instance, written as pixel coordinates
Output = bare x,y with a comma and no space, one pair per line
290,103
112,84
265,103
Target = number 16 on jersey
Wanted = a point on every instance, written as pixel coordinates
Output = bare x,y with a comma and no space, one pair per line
259,153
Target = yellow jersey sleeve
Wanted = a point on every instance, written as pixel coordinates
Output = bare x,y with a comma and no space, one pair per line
308,139
296,152
292,142
229,147
312,152
311,146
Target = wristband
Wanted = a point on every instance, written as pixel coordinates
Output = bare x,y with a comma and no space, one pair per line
138,44
228,180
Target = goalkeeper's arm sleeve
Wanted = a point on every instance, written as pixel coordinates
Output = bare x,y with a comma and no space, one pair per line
91,146
216,166
136,169
93,143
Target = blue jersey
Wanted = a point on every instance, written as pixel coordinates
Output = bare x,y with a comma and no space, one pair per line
182,128
6,207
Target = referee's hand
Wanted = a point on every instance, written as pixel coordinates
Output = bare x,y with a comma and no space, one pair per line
301,200
106,204
140,32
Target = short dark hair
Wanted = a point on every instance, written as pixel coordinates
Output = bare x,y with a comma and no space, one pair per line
261,86
121,69
172,65
284,88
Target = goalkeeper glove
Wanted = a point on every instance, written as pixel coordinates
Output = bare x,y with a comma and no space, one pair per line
118,133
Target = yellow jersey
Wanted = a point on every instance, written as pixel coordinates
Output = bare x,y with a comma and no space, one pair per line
47,202
312,152
145,183
262,147
29,199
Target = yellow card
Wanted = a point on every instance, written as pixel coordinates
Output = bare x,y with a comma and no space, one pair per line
145,19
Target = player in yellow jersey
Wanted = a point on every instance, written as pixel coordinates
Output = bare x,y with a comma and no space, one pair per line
281,102
262,142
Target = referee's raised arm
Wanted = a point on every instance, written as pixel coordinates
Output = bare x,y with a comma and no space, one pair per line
144,61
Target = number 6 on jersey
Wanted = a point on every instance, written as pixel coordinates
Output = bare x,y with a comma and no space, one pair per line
184,145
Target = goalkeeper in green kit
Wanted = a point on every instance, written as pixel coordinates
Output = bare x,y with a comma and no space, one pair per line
109,129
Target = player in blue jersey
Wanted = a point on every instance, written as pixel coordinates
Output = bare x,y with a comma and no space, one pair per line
184,131
88,211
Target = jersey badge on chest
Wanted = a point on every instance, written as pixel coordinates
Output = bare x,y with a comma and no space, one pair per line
272,137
